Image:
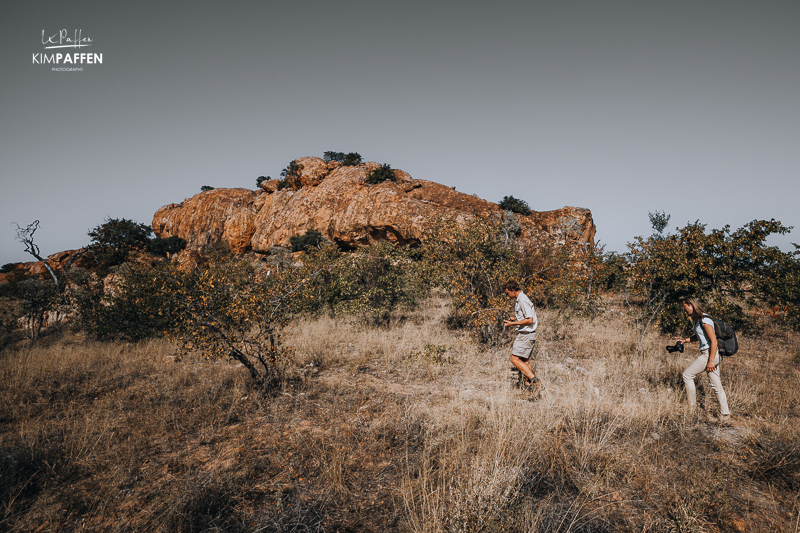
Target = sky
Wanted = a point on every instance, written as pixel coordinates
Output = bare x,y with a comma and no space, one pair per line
691,108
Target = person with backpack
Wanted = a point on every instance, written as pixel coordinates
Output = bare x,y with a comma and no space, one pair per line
709,358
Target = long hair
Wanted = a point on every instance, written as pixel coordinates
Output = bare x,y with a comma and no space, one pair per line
697,307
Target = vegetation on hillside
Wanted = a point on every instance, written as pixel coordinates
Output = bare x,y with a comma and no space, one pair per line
515,205
347,159
381,174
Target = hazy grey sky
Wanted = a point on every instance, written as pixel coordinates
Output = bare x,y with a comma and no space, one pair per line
687,107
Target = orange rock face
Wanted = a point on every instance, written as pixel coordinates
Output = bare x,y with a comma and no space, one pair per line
59,261
336,200
217,215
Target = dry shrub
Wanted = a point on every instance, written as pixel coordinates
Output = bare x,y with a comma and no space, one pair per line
470,470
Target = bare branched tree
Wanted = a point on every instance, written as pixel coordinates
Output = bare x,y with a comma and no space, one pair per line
25,236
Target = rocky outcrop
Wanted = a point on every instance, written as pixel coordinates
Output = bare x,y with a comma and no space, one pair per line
59,262
336,200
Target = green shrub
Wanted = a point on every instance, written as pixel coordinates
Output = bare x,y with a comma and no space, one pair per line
292,170
349,159
311,238
725,269
115,240
164,247
613,277
140,305
235,309
371,283
205,188
515,205
381,174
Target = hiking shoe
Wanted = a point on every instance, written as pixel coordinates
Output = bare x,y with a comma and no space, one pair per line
534,389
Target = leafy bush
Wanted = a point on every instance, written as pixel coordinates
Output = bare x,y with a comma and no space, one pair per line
135,303
38,296
235,309
381,174
164,247
205,188
310,239
370,283
515,205
292,170
347,159
115,240
471,263
614,276
262,179
725,269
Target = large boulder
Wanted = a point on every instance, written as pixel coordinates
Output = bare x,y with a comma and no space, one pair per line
336,200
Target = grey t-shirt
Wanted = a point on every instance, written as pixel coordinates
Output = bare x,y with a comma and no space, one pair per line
523,308
702,338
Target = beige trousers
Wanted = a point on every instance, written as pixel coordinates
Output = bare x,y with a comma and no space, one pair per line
698,366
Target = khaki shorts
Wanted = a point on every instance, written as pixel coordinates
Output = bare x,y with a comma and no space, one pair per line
523,345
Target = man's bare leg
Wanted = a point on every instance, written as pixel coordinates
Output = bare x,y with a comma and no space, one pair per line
524,366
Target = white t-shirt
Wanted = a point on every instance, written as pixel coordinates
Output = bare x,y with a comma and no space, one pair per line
523,308
702,338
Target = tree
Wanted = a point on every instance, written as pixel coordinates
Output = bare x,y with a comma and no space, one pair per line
515,205
349,159
292,170
114,241
727,269
471,262
38,298
238,309
25,236
659,221
371,282
205,188
140,306
262,179
381,174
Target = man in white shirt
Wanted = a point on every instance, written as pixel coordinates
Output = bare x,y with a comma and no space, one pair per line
526,323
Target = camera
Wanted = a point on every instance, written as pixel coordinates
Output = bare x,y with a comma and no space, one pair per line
677,348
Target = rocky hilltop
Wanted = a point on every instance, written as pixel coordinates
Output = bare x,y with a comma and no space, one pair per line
337,201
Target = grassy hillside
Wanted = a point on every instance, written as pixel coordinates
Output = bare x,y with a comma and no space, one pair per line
413,428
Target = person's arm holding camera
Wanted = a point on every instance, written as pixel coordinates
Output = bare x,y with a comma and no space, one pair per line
712,351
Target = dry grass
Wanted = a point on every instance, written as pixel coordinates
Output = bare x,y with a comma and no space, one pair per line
413,428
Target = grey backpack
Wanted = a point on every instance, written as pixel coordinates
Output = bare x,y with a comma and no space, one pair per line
727,344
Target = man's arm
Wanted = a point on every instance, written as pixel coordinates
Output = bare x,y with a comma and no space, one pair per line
523,322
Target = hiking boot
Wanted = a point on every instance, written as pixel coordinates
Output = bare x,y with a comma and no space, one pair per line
533,389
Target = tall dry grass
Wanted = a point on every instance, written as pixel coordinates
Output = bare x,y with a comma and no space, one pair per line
408,428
